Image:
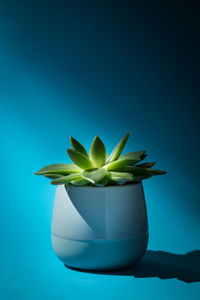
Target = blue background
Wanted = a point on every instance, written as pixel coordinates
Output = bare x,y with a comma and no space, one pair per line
83,68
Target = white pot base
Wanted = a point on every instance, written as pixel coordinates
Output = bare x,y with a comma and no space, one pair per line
100,254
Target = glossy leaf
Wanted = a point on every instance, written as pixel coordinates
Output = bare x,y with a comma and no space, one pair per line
94,175
98,152
121,177
103,181
77,146
59,169
65,179
118,149
117,164
80,159
53,176
139,155
80,182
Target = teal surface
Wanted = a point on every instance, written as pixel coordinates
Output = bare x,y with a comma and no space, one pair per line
44,277
83,68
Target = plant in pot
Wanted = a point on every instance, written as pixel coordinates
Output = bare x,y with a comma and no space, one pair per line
100,219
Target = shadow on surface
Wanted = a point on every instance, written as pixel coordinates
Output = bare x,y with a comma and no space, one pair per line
163,265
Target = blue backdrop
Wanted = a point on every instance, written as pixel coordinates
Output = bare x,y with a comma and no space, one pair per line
83,68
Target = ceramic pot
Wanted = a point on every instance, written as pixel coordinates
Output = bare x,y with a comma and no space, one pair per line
100,228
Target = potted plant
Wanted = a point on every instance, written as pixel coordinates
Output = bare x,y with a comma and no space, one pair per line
100,219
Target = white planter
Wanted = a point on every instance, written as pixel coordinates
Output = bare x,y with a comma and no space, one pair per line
100,227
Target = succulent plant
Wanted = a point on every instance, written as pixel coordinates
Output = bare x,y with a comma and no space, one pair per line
99,169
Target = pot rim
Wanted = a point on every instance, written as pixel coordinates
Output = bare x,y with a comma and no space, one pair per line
104,187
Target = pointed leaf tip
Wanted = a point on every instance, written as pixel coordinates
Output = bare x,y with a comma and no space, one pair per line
77,146
80,159
98,152
118,148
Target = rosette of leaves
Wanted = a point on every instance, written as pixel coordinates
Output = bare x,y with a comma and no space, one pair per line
97,168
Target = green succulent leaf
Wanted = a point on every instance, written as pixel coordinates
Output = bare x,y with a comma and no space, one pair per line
80,182
80,159
121,178
62,169
53,176
155,172
118,149
98,152
65,179
77,146
94,175
141,177
97,169
117,164
138,155
135,170
148,171
104,181
146,165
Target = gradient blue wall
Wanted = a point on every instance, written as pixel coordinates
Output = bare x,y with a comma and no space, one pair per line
85,68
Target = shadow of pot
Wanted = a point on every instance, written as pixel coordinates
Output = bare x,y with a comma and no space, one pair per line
100,228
